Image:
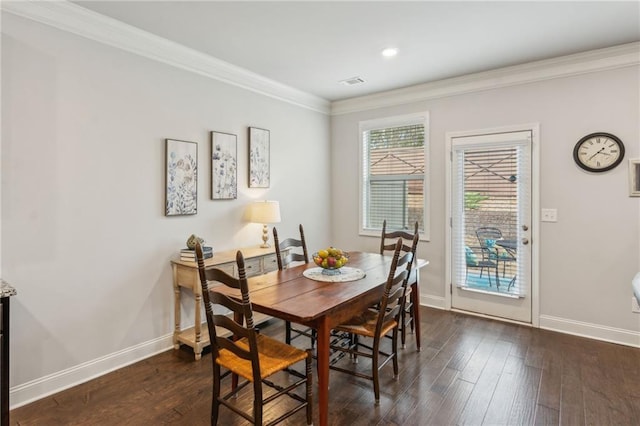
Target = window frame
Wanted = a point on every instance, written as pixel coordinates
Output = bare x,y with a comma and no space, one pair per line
382,123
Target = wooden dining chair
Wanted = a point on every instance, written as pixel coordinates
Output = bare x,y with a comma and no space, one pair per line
376,324
243,352
287,252
409,245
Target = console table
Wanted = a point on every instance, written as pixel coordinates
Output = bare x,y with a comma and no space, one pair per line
6,291
185,275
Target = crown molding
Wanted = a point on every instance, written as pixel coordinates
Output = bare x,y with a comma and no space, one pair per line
565,66
75,19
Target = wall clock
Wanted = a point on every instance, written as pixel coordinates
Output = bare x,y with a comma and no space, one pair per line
598,152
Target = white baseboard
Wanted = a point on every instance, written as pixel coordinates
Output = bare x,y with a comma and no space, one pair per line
591,331
562,325
432,301
44,386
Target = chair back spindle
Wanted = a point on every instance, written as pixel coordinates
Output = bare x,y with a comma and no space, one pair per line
393,299
290,244
223,322
409,245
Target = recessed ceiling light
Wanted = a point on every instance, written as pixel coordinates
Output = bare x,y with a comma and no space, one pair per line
389,52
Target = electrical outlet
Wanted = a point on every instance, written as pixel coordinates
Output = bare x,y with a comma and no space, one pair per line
634,305
549,215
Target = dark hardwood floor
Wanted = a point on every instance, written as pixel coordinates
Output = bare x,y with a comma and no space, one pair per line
470,371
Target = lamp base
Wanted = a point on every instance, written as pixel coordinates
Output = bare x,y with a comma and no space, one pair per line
265,237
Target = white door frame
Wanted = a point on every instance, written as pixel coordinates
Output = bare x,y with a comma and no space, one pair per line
534,128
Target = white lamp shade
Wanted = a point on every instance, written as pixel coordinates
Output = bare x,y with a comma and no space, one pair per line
264,212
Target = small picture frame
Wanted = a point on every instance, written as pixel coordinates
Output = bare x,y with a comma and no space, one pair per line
634,177
224,166
181,181
259,161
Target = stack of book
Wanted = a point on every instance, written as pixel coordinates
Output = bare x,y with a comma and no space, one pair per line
190,255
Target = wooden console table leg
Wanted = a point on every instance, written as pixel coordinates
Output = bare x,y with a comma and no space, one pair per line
176,308
198,326
197,349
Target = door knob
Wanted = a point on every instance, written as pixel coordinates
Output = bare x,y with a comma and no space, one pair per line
525,241
525,228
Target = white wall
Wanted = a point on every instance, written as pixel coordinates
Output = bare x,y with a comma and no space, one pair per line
85,240
587,258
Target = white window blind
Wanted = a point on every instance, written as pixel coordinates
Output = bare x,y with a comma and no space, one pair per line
393,179
489,183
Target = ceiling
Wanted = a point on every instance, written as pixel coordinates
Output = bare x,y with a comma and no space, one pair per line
312,46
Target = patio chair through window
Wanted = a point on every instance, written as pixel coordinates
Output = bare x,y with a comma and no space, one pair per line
474,259
487,238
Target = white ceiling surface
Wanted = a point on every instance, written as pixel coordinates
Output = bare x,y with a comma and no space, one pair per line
311,46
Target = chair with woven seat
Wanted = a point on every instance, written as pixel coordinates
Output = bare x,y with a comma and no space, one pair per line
243,352
376,324
487,237
289,246
409,244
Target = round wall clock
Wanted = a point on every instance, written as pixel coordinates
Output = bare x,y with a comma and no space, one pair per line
598,152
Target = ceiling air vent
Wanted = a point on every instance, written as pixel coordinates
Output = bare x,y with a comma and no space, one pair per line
352,81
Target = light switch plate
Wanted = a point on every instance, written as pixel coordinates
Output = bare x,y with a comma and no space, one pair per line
549,215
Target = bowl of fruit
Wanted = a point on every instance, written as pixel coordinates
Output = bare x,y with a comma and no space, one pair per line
330,260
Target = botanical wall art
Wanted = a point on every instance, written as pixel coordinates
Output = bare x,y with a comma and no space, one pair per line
224,171
634,177
182,177
259,158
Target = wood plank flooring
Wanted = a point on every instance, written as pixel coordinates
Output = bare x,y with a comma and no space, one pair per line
471,371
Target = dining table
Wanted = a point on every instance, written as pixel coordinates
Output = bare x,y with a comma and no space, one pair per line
322,305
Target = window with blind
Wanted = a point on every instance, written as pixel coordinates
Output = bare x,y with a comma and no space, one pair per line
394,174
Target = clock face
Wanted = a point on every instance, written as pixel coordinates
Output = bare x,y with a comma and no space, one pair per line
598,152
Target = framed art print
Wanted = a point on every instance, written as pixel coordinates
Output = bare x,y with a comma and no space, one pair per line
181,178
634,178
259,162
224,171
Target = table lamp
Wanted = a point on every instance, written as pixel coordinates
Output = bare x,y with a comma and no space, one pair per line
264,212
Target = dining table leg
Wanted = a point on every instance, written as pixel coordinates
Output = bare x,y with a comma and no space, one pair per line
323,370
415,302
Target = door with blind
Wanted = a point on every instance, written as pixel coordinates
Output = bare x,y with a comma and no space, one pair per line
490,228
